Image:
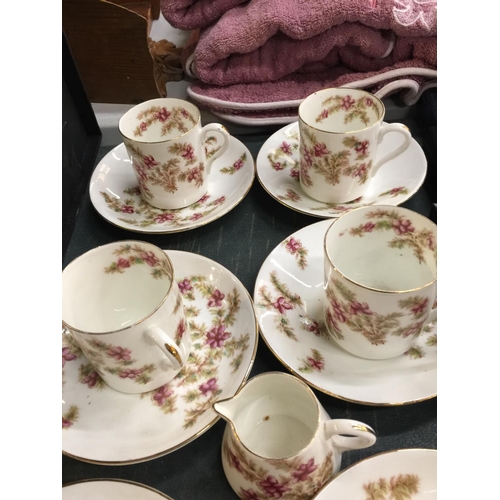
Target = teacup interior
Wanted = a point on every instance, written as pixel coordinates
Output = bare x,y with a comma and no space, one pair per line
104,292
389,249
341,110
159,120
276,417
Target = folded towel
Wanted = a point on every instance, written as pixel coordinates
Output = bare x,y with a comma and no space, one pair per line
263,40
259,60
194,14
278,101
410,90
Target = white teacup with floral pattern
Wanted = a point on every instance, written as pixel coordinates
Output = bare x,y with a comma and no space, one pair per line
380,279
340,130
122,305
280,442
171,152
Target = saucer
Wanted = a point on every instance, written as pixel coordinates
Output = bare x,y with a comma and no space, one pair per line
115,194
288,302
409,474
396,181
110,489
104,426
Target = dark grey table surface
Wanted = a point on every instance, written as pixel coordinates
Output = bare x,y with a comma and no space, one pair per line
195,471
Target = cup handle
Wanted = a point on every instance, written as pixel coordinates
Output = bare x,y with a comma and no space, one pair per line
349,434
171,350
215,127
385,129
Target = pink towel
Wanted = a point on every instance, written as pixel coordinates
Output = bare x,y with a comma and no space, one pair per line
194,14
268,55
277,102
263,40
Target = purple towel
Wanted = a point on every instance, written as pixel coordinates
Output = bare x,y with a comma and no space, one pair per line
259,60
194,14
277,102
263,40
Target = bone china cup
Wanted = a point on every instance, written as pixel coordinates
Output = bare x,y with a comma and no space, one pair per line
123,307
340,130
380,279
171,153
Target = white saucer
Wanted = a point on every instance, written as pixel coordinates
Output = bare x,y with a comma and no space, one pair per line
293,282
110,489
104,426
411,472
114,193
396,181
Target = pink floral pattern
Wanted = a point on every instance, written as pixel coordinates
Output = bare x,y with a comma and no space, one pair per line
131,255
281,158
236,166
295,248
177,118
70,417
182,167
203,378
112,359
217,336
297,479
70,349
145,215
395,191
67,355
180,331
405,234
284,170
314,362
350,107
343,307
290,195
209,386
215,300
333,167
209,342
282,305
283,302
88,376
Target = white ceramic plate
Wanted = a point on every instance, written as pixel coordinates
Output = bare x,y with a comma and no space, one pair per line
396,181
114,193
288,302
101,425
409,474
110,489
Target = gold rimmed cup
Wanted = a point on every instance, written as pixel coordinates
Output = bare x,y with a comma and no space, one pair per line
171,153
340,130
380,280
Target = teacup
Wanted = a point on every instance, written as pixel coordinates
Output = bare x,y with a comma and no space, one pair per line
380,281
340,130
123,307
279,440
171,153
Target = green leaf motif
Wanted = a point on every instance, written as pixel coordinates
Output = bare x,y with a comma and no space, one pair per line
432,340
401,487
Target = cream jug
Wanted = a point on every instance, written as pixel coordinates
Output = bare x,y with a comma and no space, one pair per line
280,442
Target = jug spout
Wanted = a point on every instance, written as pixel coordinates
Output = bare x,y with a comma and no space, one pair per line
226,408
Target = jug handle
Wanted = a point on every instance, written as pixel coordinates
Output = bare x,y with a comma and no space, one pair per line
349,434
